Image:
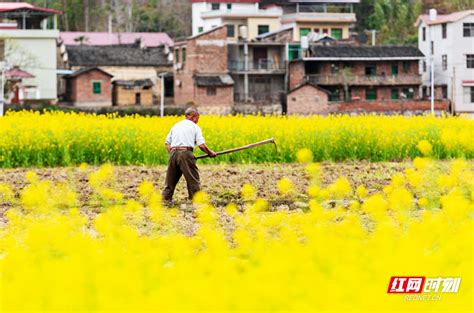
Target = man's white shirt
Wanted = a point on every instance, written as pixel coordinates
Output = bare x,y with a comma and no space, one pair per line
185,134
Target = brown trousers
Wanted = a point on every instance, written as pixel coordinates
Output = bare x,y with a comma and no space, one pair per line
181,163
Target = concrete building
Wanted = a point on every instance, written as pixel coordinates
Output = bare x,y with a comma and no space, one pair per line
28,36
235,13
452,44
333,18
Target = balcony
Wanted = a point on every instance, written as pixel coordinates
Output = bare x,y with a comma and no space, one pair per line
261,66
362,80
240,14
319,17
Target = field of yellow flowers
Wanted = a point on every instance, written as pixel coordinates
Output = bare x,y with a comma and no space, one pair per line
337,253
61,139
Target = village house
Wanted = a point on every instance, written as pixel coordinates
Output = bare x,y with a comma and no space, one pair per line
452,49
28,36
89,87
130,64
334,18
201,72
208,14
361,79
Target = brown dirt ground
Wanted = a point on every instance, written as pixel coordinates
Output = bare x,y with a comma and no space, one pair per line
222,182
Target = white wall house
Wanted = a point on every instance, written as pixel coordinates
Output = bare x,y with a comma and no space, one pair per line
28,40
235,13
453,57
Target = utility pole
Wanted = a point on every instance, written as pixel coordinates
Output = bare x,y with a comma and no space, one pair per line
162,96
433,15
4,67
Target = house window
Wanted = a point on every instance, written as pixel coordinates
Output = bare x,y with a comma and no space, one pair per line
424,66
468,94
229,6
444,91
335,95
423,33
336,33
370,70
304,32
444,61
470,61
2,49
316,30
408,93
176,55
211,91
370,94
184,55
200,29
444,28
394,69
432,47
294,52
395,94
231,31
215,6
325,31
468,29
406,67
262,29
96,88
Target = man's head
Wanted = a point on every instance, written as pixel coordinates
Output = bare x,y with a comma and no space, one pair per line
192,114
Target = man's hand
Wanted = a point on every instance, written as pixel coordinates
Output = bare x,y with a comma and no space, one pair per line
168,148
208,151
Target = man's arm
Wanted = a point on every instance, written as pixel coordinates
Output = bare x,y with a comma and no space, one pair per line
168,142
201,143
208,151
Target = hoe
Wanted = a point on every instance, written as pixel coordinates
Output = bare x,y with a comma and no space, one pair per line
250,146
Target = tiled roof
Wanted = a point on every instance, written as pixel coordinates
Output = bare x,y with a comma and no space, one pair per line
365,52
104,38
118,55
447,18
213,80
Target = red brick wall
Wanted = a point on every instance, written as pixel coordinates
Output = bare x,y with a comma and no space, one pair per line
306,100
224,96
375,106
296,74
82,90
205,54
358,68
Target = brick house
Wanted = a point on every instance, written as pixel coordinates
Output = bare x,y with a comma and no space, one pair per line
201,72
132,92
89,87
126,62
307,99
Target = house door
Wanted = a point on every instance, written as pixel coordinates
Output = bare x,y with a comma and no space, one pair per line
138,99
260,57
260,88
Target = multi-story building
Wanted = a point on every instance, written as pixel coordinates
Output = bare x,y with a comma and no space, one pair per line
222,76
334,18
208,14
28,36
358,78
452,49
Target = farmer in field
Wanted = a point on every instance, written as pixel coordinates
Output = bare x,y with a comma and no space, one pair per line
180,143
